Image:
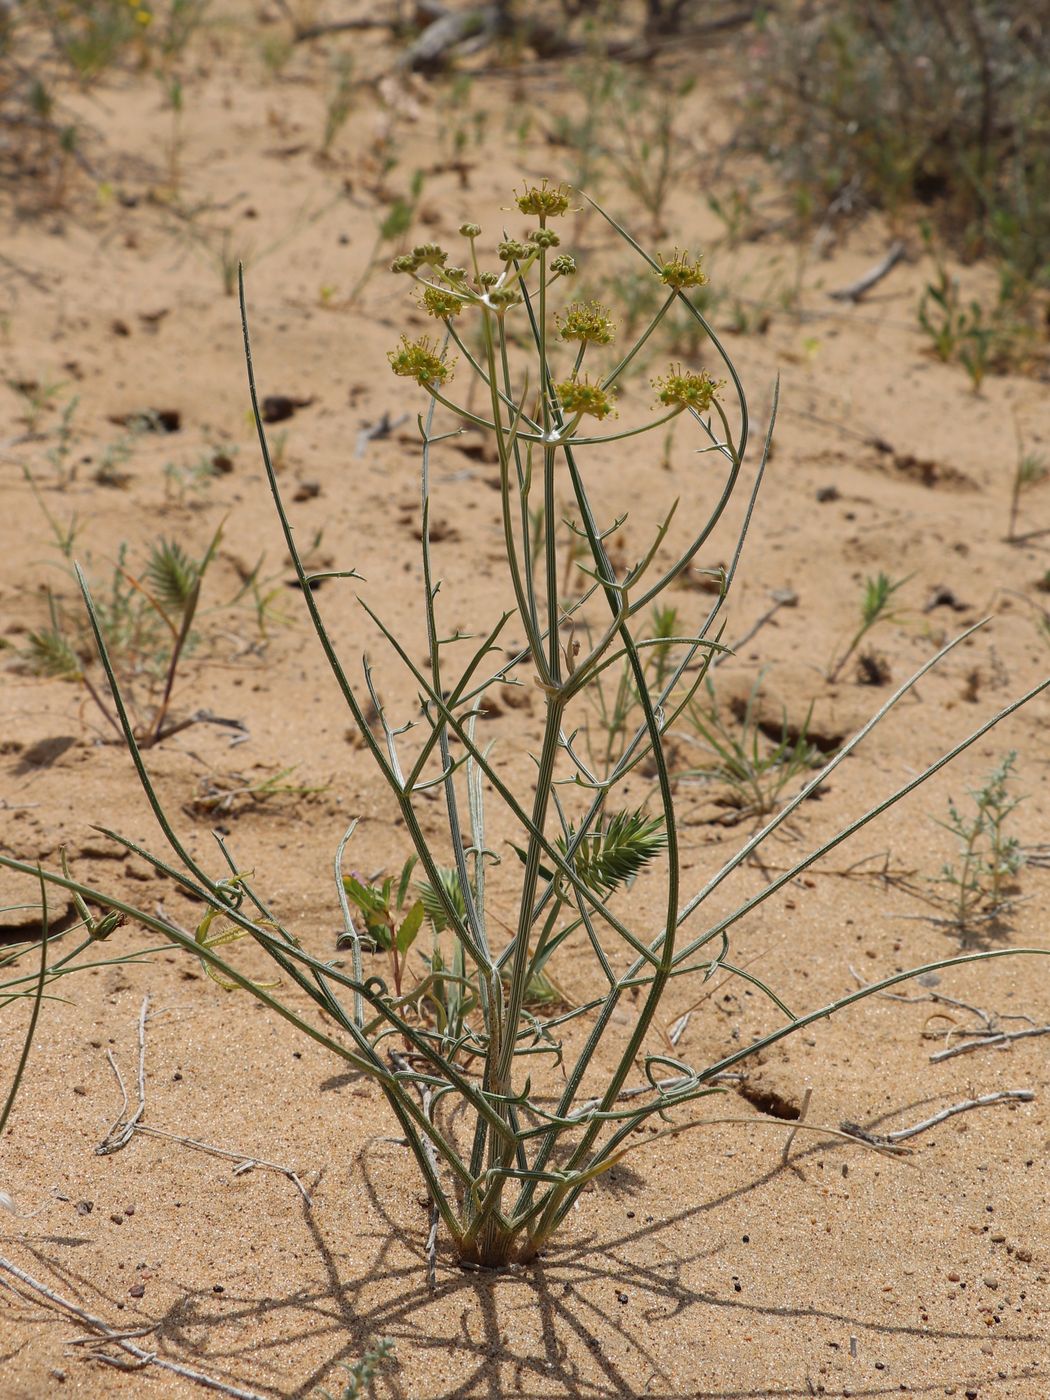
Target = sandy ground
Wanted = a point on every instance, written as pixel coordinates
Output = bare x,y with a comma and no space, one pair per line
704,1267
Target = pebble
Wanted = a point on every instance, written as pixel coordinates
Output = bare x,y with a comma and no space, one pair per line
990,1282
137,1290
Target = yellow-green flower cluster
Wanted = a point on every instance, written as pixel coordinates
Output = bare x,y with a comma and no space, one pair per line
440,303
546,201
587,322
680,271
581,396
689,389
419,360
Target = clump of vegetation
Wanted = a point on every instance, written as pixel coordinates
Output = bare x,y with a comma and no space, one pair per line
147,620
1031,469
944,107
49,48
510,1101
755,769
361,1376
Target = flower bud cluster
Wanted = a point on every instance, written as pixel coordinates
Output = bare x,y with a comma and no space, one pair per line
511,250
544,200
544,238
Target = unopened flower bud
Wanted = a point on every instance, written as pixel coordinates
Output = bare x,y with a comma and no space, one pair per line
544,238
510,250
502,297
429,254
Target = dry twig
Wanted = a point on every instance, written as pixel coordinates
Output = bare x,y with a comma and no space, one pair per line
891,1140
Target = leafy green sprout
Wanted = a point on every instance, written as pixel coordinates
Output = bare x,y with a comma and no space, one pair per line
503,1163
876,606
389,921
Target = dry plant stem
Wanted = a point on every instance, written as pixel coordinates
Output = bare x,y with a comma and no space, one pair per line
902,1134
806,1097
107,1335
872,277
992,1039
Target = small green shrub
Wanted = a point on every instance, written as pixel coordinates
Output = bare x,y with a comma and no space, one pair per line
988,857
147,620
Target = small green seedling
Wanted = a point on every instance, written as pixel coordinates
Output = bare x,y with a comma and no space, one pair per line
362,1374
391,927
147,619
988,858
1032,469
875,607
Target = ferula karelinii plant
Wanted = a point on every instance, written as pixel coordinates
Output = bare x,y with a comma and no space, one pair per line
510,1101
